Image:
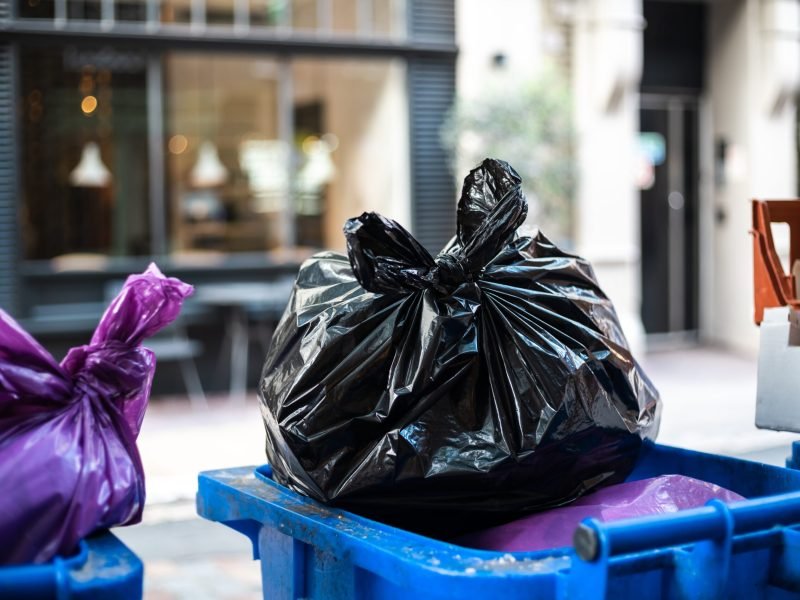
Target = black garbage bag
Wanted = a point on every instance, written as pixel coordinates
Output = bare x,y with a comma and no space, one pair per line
445,395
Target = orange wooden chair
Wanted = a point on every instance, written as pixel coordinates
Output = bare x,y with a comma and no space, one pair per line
772,286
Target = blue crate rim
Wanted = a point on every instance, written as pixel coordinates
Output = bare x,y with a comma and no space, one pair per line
72,561
716,520
404,546
696,550
100,567
264,474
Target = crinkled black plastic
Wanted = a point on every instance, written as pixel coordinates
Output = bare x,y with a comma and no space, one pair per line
443,395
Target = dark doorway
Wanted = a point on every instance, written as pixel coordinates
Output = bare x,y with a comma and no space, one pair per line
669,215
672,81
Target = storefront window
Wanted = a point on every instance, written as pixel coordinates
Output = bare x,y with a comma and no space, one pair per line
219,12
345,15
84,152
130,10
228,168
388,18
364,18
379,18
83,10
176,11
350,144
265,13
305,14
36,9
262,153
252,172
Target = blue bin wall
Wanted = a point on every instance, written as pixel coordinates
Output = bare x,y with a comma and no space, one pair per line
746,478
309,550
102,569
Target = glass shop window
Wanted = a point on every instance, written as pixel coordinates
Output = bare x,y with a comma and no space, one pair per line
261,153
265,154
83,167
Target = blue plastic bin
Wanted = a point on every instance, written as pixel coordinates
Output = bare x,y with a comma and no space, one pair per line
103,568
746,550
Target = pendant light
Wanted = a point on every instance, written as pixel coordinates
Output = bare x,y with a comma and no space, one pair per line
208,171
90,172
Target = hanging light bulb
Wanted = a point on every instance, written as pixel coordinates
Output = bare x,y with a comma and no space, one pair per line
208,171
318,169
90,172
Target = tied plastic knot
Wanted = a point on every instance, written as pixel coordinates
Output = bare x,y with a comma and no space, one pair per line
386,259
449,273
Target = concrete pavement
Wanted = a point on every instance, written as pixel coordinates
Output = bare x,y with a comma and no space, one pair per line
186,557
709,402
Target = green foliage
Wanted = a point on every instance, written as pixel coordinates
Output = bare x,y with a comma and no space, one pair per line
529,125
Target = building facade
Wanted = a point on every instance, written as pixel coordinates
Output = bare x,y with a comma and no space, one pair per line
225,139
683,112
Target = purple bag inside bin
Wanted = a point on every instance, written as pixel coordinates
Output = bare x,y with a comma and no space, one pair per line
68,458
554,528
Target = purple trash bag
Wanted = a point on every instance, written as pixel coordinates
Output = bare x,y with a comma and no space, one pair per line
68,458
554,528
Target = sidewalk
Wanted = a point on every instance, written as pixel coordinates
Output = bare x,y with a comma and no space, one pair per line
710,402
187,558
709,405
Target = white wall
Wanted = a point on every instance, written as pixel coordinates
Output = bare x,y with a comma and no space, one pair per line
607,63
607,58
762,161
753,61
483,29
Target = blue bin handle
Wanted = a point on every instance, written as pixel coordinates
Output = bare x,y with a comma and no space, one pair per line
716,521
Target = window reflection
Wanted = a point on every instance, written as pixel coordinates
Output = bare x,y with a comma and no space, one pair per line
176,11
36,9
83,10
350,144
219,12
238,183
388,18
227,165
261,153
130,10
345,16
304,14
381,18
371,18
268,13
84,152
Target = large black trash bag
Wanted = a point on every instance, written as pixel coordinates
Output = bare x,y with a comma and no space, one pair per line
451,394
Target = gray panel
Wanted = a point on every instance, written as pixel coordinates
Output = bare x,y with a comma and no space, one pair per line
431,85
432,20
8,194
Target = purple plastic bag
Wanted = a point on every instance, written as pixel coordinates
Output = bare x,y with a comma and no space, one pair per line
68,458
554,528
